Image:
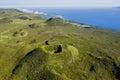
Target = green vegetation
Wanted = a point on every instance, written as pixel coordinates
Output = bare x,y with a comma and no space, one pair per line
55,21
24,18
34,48
5,20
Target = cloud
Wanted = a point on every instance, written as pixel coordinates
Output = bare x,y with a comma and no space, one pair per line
57,3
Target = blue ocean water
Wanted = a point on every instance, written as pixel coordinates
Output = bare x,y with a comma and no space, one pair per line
101,17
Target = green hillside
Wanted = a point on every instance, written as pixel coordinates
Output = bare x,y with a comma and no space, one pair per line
36,48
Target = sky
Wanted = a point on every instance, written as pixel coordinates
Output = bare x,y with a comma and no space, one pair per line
59,3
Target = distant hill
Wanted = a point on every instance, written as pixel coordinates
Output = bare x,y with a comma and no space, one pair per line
36,48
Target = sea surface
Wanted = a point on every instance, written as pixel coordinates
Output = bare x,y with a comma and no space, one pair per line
101,17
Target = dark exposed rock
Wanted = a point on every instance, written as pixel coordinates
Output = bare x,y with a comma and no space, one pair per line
116,71
46,42
59,49
92,68
31,25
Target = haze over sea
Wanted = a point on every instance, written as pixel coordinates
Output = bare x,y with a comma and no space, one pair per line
101,17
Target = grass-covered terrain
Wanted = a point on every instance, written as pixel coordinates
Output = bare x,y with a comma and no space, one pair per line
35,48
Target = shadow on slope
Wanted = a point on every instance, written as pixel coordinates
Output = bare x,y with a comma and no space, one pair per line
33,67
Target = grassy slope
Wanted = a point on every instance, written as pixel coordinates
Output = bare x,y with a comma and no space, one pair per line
28,44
